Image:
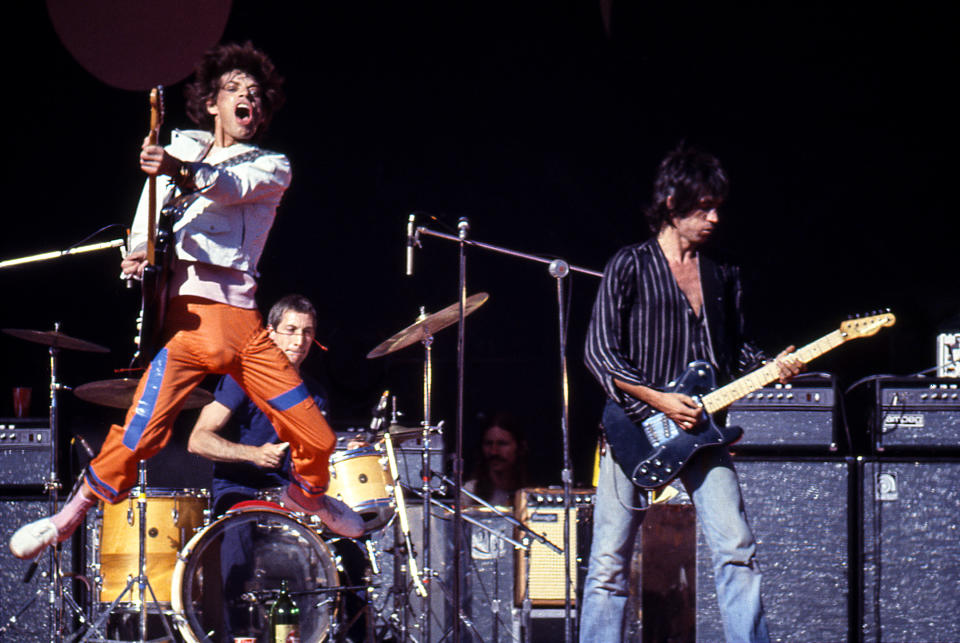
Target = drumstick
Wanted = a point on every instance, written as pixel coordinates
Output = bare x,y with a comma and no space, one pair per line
402,513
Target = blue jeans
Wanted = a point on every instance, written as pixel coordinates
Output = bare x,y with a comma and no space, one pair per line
712,485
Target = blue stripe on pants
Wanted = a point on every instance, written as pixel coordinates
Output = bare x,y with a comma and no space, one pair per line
290,399
147,402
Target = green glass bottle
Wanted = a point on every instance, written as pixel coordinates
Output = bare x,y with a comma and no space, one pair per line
284,618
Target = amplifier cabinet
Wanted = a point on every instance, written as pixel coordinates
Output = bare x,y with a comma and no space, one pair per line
25,454
29,602
798,415
541,509
911,550
799,512
913,414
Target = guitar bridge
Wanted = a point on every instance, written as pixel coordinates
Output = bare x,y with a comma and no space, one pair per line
659,429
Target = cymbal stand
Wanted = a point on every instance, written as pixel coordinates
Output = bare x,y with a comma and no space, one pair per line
141,580
559,270
52,487
425,477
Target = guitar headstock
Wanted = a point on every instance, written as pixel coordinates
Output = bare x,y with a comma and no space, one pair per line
156,113
867,326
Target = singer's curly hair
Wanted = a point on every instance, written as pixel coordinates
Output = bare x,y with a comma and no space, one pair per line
687,174
225,58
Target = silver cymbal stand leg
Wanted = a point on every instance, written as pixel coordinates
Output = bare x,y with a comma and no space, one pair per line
426,477
52,487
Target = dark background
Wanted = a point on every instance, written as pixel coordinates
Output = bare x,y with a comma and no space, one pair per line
542,122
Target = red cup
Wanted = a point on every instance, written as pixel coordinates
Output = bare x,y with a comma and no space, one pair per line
21,401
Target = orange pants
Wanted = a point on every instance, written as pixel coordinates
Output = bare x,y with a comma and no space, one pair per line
208,337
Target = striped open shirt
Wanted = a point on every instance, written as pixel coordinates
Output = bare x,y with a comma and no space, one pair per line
644,331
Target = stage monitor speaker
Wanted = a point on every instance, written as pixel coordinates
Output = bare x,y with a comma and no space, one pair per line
28,602
541,509
911,551
799,511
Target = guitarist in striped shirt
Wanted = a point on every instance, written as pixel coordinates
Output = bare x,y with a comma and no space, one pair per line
225,190
661,305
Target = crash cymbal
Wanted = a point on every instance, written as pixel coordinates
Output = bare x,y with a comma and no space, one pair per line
428,325
56,339
118,394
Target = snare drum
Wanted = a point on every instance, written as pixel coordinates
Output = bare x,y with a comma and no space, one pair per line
173,517
269,544
360,479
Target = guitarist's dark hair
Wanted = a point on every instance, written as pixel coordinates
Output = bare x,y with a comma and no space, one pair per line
296,303
687,174
225,58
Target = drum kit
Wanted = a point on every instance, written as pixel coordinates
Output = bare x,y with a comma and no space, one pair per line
158,556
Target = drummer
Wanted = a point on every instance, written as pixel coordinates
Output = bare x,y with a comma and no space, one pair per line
237,435
248,454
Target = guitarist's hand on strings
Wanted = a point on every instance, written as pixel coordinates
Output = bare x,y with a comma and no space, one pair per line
788,364
680,408
154,160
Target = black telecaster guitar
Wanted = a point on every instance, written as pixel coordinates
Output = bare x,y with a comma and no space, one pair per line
159,255
655,452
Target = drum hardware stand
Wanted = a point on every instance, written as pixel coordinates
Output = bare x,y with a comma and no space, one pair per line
141,581
559,270
402,515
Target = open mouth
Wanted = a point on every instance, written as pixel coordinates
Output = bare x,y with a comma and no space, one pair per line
244,114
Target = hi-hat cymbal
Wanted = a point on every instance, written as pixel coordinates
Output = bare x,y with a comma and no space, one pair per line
55,339
428,325
400,433
119,393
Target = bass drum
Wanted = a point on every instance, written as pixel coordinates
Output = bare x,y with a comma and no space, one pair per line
228,575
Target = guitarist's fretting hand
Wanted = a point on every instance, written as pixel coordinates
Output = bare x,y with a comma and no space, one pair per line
680,408
788,364
154,160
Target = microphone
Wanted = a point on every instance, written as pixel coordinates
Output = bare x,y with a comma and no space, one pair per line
379,412
411,241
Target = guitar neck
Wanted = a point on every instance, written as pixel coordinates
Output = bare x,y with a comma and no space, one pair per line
727,395
156,118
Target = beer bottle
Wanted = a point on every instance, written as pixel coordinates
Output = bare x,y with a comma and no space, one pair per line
284,618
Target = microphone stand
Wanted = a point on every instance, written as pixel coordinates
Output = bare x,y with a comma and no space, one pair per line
559,270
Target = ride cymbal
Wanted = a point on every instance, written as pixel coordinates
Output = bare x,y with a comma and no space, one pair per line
428,325
119,393
55,339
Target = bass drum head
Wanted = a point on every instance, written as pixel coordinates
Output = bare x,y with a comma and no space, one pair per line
228,576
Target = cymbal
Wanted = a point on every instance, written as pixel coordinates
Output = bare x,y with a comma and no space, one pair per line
56,339
400,433
119,393
428,325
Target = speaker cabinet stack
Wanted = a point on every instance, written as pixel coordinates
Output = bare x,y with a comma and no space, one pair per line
910,535
27,603
799,510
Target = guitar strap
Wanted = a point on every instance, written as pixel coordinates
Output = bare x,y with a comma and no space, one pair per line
180,204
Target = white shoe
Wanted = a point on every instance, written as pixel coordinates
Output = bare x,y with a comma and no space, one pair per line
33,538
334,514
